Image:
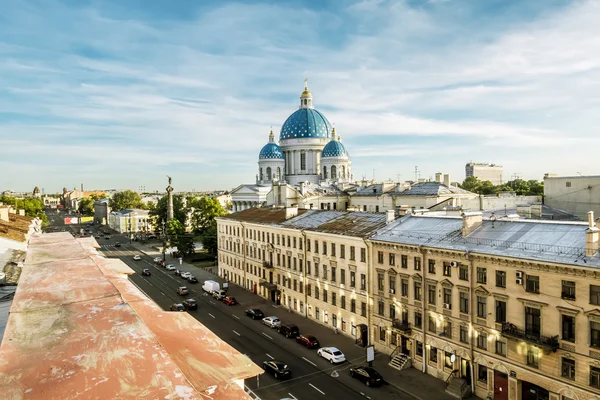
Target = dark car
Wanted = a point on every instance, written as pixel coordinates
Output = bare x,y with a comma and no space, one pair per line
146,272
177,307
117,244
279,369
289,330
230,301
367,375
255,313
190,304
309,341
192,279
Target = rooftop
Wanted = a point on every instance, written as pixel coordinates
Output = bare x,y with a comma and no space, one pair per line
261,215
338,222
79,328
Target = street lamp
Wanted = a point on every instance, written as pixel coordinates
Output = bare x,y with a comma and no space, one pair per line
129,228
164,241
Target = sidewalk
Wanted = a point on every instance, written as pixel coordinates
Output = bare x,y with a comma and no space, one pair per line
410,381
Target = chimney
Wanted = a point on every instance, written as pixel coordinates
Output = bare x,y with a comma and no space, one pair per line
438,177
4,214
22,213
390,216
471,221
591,236
447,180
291,212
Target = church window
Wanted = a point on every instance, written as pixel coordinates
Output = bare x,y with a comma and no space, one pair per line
324,172
261,174
333,172
303,161
344,171
268,173
278,173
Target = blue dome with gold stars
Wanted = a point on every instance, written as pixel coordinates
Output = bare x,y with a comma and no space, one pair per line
305,123
271,151
334,149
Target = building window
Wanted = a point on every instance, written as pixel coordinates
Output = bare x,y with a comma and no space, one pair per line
380,281
363,282
295,285
481,306
447,269
332,249
595,334
382,334
568,328
404,287
417,291
533,357
307,243
568,368
342,251
316,246
317,313
595,295
447,329
482,340
392,312
363,309
481,275
567,184
392,282
404,261
533,321
431,324
317,292
303,161
595,377
464,302
464,334
433,355
419,350
501,348
380,257
353,305
352,279
482,373
352,255
501,279
324,272
392,258
568,290
333,299
363,255
418,320
448,298
417,261
343,276
431,266
344,302
325,295
500,311
333,274
463,272
431,294
380,306
307,265
448,360
324,247
532,284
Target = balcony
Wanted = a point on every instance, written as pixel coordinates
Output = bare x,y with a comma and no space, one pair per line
548,342
403,326
267,264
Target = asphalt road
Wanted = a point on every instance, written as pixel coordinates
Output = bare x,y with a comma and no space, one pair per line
312,376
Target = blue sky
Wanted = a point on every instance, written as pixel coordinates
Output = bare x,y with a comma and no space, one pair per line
118,94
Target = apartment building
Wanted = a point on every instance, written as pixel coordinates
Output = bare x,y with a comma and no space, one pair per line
485,172
313,262
511,308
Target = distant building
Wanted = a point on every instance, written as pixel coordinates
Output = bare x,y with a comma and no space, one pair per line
574,194
130,220
485,172
101,211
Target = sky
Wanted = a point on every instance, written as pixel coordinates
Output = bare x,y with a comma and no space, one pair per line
118,94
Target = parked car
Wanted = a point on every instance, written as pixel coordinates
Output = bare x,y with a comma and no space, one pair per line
278,369
107,237
289,330
178,272
332,354
210,286
219,294
117,244
157,259
271,322
170,267
146,272
185,275
190,304
182,290
230,301
192,279
160,262
255,313
367,375
177,307
152,237
309,341
137,258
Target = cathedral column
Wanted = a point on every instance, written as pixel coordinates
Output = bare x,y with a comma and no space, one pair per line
298,163
292,166
309,156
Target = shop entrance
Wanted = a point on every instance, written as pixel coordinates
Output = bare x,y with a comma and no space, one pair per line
500,386
465,369
405,345
529,391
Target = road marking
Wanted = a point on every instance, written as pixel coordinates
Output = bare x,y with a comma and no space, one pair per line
316,388
267,335
212,302
308,361
237,333
270,356
235,316
292,396
211,315
163,294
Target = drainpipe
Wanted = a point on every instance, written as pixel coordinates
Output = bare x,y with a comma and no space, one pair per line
471,280
424,315
305,275
369,282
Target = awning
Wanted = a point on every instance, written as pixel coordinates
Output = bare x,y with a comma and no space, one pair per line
268,285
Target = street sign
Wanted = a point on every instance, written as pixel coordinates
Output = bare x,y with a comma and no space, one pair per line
370,353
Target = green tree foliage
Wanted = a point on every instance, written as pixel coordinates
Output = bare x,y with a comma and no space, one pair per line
159,211
519,186
178,237
126,199
209,240
204,210
86,207
95,196
33,207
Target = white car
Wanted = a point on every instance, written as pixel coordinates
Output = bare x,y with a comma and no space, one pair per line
272,322
186,275
137,258
170,267
332,354
157,259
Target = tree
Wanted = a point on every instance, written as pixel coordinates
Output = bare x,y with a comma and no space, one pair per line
159,211
33,207
95,196
204,210
472,184
209,240
178,238
86,207
536,188
126,199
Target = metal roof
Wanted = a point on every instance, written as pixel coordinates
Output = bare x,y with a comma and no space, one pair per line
261,215
346,223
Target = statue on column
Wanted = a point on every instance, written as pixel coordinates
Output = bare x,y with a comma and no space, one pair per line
169,200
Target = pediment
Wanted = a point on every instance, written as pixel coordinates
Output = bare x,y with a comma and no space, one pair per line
481,289
446,283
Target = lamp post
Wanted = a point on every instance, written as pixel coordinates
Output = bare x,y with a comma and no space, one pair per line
129,228
164,235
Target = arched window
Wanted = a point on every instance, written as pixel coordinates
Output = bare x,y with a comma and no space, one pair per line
261,174
344,172
333,172
324,172
268,173
278,173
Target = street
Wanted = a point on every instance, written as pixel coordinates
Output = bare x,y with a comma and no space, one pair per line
312,376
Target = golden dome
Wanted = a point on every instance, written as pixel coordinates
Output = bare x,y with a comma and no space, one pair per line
306,93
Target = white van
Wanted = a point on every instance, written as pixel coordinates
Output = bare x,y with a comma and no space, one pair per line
210,286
